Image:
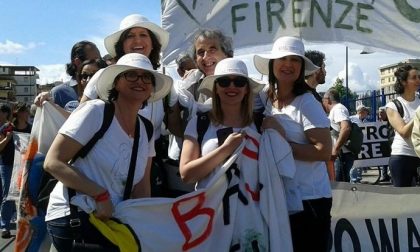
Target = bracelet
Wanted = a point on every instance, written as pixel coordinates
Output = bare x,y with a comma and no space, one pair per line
102,197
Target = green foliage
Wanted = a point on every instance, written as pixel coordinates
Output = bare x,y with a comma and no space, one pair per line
341,88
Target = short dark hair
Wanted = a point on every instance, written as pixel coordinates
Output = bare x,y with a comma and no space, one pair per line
154,56
401,75
5,108
225,42
316,57
77,51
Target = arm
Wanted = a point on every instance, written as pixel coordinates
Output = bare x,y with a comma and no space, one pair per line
62,150
84,99
175,123
345,128
4,140
194,168
319,146
394,118
142,188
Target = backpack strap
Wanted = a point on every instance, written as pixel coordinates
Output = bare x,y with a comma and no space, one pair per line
106,122
258,119
399,106
203,122
149,127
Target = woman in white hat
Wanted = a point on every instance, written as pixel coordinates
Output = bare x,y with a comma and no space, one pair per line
101,175
232,94
307,130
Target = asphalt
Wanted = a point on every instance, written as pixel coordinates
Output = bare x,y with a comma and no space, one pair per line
7,245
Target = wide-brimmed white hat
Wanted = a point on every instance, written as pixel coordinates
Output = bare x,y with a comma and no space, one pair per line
229,66
132,61
362,107
136,20
282,47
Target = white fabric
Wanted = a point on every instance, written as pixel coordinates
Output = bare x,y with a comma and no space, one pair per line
302,114
90,90
108,161
400,145
337,114
229,212
369,23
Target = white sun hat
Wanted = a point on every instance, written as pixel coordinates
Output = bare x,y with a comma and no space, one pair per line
132,61
226,67
282,47
136,20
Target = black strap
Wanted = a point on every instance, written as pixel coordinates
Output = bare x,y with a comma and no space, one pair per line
203,122
130,176
149,127
399,106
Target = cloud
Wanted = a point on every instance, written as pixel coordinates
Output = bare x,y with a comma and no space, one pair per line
51,73
358,80
10,47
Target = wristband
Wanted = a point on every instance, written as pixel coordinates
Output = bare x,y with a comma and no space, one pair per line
102,197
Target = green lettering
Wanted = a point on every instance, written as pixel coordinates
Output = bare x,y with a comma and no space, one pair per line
258,15
296,12
275,13
235,18
325,17
408,11
339,23
360,17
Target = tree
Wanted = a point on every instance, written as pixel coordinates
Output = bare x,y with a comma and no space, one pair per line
338,85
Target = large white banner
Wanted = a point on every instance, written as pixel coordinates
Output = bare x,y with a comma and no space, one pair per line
258,23
375,218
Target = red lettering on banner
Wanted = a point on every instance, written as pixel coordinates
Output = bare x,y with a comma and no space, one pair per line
182,218
255,195
249,153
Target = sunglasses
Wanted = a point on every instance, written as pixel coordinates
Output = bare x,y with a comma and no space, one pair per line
85,76
132,76
224,82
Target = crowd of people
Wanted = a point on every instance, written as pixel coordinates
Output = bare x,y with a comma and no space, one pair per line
213,84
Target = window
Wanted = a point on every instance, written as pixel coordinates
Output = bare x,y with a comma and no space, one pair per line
25,89
25,79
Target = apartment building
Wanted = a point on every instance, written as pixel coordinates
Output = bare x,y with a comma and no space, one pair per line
18,83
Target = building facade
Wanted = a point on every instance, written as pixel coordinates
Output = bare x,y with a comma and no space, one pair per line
18,83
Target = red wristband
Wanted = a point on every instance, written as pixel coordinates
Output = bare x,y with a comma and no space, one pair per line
102,197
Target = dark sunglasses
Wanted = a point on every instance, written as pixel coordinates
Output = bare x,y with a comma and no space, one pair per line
132,76
85,76
224,82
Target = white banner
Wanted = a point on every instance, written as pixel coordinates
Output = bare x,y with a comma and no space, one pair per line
375,218
258,23
375,149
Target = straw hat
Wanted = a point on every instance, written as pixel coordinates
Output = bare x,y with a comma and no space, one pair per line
132,61
135,20
229,66
283,47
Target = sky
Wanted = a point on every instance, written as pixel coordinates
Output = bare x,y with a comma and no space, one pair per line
41,33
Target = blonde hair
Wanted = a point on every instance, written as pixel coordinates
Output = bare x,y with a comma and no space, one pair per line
216,113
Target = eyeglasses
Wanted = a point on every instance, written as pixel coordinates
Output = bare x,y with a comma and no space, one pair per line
224,82
85,76
132,76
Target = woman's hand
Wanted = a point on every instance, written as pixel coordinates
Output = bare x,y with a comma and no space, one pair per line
233,141
104,208
270,122
41,97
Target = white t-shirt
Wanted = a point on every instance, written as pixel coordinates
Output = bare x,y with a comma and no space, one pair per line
400,145
304,113
108,161
337,114
209,143
154,111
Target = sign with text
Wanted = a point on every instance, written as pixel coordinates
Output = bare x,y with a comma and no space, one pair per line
259,23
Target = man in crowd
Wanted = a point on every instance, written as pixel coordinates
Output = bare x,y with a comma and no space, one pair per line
362,114
313,79
341,127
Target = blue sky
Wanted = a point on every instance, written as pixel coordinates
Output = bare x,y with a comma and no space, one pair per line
41,33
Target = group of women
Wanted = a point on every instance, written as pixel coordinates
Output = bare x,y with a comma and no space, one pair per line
134,83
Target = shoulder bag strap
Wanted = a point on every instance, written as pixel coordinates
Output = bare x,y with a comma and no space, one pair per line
130,176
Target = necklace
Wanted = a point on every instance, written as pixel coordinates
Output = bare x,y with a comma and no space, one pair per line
125,126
